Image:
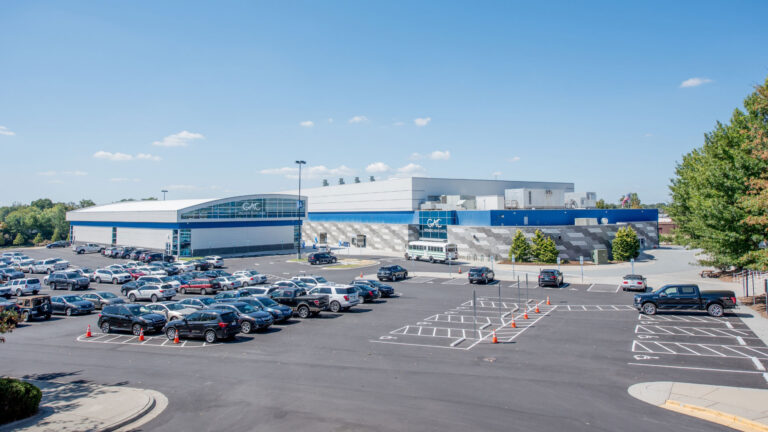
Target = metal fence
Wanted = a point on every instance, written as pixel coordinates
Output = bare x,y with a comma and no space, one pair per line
753,282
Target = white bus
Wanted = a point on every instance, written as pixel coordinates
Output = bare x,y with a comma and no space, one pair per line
431,251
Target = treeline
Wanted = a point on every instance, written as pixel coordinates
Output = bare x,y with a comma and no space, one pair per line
720,190
36,223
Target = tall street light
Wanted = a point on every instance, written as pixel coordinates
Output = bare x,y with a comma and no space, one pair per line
164,192
300,208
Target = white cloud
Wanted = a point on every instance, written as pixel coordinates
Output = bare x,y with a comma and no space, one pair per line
124,180
416,156
307,124
330,120
694,82
310,172
377,167
410,170
181,139
119,157
4,131
421,122
47,173
66,173
514,159
358,119
440,155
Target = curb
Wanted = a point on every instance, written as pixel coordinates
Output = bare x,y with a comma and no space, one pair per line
41,412
132,418
730,420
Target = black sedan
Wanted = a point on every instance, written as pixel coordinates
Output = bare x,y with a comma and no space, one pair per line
384,289
393,273
480,274
367,293
57,244
71,305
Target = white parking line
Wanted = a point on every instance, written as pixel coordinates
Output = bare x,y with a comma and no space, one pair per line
759,366
740,340
694,368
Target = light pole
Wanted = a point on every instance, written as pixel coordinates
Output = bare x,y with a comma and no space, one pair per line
164,191
301,210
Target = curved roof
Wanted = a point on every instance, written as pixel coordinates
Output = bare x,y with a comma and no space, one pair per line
149,205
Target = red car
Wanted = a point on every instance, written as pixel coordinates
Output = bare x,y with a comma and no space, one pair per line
202,286
135,274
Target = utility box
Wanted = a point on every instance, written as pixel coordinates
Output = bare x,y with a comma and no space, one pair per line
600,256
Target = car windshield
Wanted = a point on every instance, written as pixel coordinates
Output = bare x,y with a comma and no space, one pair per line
174,306
72,275
246,308
207,301
108,295
167,279
548,273
137,310
301,284
253,273
267,302
633,277
72,298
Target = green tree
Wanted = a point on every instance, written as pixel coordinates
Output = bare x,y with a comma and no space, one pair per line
537,242
39,239
56,235
625,244
8,320
520,248
86,203
42,203
19,240
548,252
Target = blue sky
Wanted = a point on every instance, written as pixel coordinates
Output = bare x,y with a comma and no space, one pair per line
110,100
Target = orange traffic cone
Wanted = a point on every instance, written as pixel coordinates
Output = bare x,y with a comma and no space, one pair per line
537,309
525,315
548,303
176,337
88,331
361,275
495,340
512,324
459,270
141,335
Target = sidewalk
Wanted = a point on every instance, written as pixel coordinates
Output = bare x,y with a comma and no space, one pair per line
82,406
743,409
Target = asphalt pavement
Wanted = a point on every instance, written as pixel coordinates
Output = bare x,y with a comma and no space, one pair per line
567,367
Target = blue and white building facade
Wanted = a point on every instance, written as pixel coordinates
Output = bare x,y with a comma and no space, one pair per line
230,226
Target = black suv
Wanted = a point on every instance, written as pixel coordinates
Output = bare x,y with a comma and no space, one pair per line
321,258
209,324
68,280
550,277
480,274
392,273
130,317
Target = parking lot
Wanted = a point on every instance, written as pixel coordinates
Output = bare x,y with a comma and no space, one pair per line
422,360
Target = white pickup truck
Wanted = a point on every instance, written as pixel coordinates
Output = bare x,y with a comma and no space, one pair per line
48,266
87,248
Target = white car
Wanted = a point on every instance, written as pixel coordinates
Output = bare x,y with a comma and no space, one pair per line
250,277
171,310
341,297
18,258
87,248
312,281
159,280
216,261
108,275
152,271
152,292
23,265
11,254
20,287
183,266
49,265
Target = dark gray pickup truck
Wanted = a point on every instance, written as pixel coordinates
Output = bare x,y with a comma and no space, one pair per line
302,303
685,297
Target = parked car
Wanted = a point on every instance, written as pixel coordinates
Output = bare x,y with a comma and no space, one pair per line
49,265
21,287
114,276
134,255
152,270
228,295
8,273
68,280
71,305
216,261
170,269
251,318
321,258
23,265
366,293
480,274
253,291
685,297
34,307
100,299
211,325
171,310
201,286
200,265
57,244
393,273
303,304
280,313
550,277
84,272
5,291
161,280
291,284
152,292
87,248
384,289
633,283
197,302
340,297
311,281
250,277
109,252
130,317
130,286
158,257
226,283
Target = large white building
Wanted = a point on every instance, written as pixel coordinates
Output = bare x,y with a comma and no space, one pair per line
236,225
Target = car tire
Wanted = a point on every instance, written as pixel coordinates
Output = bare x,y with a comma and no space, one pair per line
246,327
153,298
715,310
183,291
303,311
170,333
35,292
114,281
136,329
203,291
132,298
649,308
210,336
18,293
25,316
105,327
68,312
97,279
80,252
334,306
431,259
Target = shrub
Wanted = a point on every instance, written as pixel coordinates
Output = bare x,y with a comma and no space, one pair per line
56,235
625,244
520,248
38,240
19,240
2,239
18,399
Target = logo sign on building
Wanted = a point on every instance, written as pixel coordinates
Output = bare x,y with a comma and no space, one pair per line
251,206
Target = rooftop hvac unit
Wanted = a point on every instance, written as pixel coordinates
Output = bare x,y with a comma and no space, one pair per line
510,204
